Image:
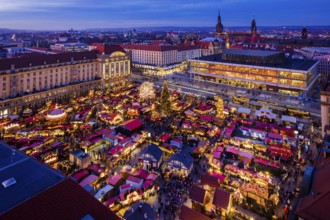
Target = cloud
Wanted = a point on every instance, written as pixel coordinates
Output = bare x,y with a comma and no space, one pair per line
132,13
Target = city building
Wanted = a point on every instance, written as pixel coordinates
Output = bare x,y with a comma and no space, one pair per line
33,80
219,26
11,51
114,64
187,213
30,190
80,158
151,157
71,47
179,164
257,69
222,201
160,59
208,45
315,194
140,211
321,54
325,108
304,33
41,50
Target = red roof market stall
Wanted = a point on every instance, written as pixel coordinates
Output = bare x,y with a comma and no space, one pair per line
280,150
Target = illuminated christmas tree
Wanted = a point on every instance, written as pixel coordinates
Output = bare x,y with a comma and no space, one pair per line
165,104
220,108
154,113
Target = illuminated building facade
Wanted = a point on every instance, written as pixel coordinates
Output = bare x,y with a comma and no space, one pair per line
71,47
31,81
325,108
115,68
263,70
159,59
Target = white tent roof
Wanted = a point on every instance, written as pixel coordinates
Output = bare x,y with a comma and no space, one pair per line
290,119
268,113
244,110
103,191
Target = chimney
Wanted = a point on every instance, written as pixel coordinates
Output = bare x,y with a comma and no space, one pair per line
12,67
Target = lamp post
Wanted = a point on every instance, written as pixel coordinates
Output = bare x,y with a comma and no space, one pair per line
297,141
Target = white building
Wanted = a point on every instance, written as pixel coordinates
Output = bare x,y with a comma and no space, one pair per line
318,53
80,158
103,192
325,108
324,65
71,47
160,57
15,50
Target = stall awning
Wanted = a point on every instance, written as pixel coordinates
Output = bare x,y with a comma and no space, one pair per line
290,119
244,110
275,136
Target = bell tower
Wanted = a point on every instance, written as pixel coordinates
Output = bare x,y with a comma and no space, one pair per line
304,33
219,26
253,31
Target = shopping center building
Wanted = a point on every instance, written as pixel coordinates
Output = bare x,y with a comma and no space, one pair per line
160,59
257,69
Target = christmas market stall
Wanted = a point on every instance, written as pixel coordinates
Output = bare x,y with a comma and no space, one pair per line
265,115
179,164
151,157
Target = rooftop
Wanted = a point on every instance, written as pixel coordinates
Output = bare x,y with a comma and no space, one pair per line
28,184
258,53
9,156
197,194
316,204
184,158
153,150
221,198
80,154
189,214
157,47
65,200
44,59
31,177
140,211
294,64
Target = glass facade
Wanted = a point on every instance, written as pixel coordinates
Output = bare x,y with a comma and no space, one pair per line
252,77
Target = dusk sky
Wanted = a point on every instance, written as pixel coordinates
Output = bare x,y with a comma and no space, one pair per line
80,14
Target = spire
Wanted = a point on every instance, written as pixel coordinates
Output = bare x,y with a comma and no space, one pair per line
219,26
253,25
219,17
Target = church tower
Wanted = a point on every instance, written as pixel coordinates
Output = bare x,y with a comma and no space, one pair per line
253,31
253,26
219,26
304,33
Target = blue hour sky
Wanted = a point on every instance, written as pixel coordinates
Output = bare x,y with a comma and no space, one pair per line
80,14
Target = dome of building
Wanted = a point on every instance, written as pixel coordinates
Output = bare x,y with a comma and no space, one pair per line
56,114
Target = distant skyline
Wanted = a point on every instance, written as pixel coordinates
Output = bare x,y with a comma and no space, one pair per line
82,14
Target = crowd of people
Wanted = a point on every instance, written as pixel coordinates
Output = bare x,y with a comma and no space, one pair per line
173,193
